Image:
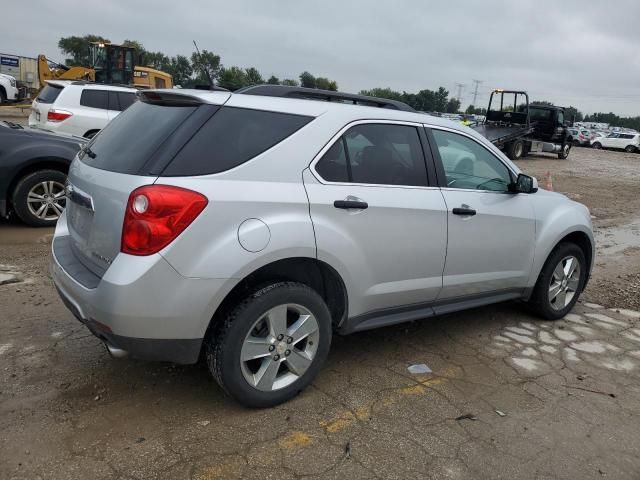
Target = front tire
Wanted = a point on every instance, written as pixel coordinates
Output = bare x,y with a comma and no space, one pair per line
597,145
39,198
272,344
564,153
560,282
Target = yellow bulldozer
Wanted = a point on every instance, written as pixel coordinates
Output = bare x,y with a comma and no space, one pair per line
110,64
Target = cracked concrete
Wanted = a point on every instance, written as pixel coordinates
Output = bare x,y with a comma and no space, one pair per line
568,391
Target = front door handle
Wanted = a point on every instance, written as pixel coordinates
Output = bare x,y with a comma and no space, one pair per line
345,204
463,211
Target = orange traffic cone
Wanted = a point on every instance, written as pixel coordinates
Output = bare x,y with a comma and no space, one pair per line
549,185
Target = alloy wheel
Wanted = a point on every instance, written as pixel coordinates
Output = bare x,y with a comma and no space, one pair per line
279,347
46,200
564,283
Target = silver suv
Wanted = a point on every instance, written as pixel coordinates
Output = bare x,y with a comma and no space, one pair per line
250,227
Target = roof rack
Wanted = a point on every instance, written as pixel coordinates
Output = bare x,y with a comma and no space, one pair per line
323,95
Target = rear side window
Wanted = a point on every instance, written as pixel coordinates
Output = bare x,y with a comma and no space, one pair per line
126,99
129,141
376,154
232,137
95,99
49,94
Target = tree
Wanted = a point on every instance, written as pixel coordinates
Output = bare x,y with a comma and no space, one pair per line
232,78
77,48
273,80
290,82
324,83
139,48
180,69
157,60
253,77
204,63
307,80
470,110
383,93
453,105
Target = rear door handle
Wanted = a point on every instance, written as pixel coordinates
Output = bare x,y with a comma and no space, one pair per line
345,204
463,211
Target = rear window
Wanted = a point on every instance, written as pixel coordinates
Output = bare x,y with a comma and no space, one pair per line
49,94
95,99
539,114
230,138
129,141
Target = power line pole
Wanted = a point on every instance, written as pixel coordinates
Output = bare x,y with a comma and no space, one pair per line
475,91
460,86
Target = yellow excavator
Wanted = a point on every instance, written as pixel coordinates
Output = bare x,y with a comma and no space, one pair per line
110,64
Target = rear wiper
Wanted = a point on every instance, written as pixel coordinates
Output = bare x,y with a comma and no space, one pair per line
90,152
13,125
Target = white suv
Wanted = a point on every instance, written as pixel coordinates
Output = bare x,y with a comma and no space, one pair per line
79,108
8,88
627,141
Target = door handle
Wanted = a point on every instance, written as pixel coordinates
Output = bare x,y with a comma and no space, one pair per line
463,211
345,204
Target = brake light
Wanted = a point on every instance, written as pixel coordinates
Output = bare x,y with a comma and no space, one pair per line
58,115
156,215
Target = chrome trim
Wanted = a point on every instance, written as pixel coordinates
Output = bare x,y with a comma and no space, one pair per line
337,136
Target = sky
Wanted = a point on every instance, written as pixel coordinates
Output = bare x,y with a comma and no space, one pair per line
581,53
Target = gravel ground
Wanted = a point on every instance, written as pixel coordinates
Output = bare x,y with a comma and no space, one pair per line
509,396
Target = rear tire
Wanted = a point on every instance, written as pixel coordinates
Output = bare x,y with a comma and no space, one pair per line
515,149
39,198
559,285
262,353
630,149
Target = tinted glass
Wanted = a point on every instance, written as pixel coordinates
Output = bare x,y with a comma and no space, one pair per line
94,99
386,155
468,165
539,114
129,140
126,99
49,94
230,138
560,117
333,165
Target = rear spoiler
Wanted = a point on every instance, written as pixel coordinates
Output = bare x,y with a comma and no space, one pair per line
169,98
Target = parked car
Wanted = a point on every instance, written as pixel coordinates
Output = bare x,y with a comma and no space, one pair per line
252,226
77,107
33,172
581,137
629,142
8,89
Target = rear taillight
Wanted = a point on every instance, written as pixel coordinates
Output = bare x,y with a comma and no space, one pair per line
58,115
156,215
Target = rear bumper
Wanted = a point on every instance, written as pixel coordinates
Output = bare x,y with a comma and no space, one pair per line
141,305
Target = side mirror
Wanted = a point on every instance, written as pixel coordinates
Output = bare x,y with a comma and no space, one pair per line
524,184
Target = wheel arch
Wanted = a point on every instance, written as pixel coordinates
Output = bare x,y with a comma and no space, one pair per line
36,165
578,237
312,272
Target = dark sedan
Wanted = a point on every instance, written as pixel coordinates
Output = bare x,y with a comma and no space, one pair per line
33,171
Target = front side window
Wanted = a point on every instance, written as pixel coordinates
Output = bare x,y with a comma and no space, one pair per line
377,154
468,165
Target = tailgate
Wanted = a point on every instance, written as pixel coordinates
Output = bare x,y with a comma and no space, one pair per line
95,212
